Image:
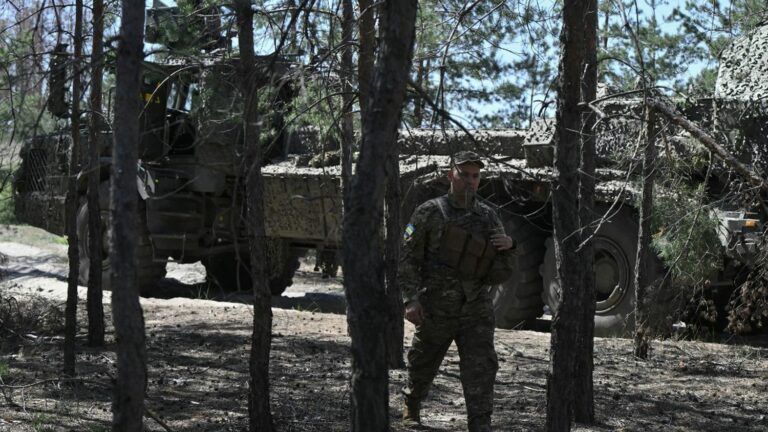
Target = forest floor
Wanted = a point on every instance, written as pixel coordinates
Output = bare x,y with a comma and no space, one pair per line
198,347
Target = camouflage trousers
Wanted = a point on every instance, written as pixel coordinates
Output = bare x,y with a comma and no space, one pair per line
477,361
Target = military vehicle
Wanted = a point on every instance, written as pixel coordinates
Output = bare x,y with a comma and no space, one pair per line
518,180
190,166
192,194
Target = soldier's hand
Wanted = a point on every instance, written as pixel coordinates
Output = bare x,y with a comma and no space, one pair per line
502,241
414,312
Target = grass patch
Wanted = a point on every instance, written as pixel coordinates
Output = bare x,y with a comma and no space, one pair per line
28,315
42,423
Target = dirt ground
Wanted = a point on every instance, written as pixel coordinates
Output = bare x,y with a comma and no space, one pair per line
198,340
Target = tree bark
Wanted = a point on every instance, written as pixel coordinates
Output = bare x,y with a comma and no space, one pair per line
95,299
396,327
367,314
260,417
347,123
565,214
70,314
642,331
584,402
128,404
366,56
393,229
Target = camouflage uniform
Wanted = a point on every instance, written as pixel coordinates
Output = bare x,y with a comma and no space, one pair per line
455,308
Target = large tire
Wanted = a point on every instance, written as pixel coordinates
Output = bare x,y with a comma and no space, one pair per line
518,300
84,247
229,273
148,271
282,264
615,250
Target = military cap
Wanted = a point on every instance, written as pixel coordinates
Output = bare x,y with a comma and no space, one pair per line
464,156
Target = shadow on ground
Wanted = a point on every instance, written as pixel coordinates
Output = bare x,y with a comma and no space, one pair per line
325,302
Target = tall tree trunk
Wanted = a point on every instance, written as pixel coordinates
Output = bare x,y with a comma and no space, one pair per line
393,229
642,331
565,214
128,404
260,417
367,313
584,402
70,314
396,326
366,56
347,123
95,299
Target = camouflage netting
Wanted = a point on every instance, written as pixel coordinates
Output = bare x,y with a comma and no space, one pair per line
741,97
743,68
448,141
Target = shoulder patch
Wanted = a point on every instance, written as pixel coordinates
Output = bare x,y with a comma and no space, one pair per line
409,230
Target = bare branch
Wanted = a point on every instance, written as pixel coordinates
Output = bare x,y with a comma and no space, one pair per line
709,142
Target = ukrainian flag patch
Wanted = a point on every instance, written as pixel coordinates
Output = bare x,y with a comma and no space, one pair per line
409,230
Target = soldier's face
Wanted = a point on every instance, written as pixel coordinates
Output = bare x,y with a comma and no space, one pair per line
464,178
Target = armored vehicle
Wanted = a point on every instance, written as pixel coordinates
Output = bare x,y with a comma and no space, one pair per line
192,194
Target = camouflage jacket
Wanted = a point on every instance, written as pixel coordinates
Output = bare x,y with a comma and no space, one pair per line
423,277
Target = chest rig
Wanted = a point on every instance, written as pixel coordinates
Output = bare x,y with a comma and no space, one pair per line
465,246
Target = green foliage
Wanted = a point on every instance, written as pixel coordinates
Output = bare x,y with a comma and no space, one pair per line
317,106
685,235
202,291
666,55
709,27
7,215
488,83
188,29
4,371
41,423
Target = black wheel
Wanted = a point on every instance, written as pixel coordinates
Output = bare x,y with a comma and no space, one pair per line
328,263
149,269
519,298
615,250
228,272
282,263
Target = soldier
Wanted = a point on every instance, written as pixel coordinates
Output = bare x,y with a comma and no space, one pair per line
453,248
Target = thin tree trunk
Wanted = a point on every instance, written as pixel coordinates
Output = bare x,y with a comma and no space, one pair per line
260,417
418,103
367,313
396,327
347,126
584,402
95,299
128,404
393,229
565,214
642,331
70,314
366,56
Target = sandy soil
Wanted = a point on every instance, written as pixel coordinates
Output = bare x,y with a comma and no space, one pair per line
197,344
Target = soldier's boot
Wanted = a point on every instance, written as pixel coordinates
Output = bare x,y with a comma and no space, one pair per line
480,424
411,411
